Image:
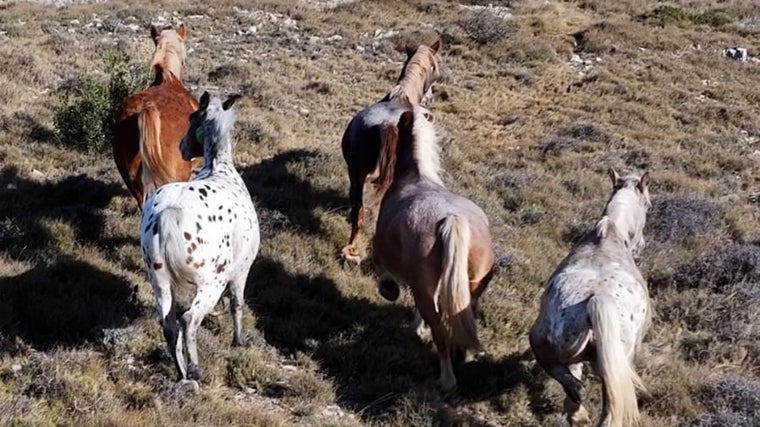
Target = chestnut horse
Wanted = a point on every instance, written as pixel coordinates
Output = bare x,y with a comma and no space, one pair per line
596,308
151,123
361,140
435,241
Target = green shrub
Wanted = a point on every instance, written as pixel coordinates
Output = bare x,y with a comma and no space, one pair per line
86,112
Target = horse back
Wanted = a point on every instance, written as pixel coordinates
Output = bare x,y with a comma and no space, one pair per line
408,230
361,139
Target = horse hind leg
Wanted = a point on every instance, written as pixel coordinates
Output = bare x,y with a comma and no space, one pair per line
570,378
205,299
356,217
426,307
237,299
168,318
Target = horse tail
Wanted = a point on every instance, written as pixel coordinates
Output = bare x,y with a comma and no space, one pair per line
149,125
612,363
183,287
386,164
453,292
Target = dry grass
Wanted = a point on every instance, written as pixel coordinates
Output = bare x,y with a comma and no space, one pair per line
530,136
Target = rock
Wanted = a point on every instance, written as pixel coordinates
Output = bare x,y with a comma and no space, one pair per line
333,411
335,38
737,53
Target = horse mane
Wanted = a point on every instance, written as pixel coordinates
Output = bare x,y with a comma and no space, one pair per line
387,162
413,128
427,152
410,87
603,228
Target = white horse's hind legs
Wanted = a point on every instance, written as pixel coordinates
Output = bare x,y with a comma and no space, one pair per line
419,326
237,299
577,415
202,304
161,290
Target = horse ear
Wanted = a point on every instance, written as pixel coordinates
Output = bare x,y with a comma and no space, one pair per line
406,120
155,32
205,98
435,46
410,51
643,184
230,101
182,31
613,176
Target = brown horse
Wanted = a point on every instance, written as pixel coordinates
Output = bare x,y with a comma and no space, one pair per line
435,241
361,140
151,123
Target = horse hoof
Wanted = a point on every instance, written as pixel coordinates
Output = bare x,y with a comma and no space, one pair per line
446,386
189,386
388,289
193,372
351,254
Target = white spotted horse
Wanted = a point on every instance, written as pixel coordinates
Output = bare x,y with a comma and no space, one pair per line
596,308
201,236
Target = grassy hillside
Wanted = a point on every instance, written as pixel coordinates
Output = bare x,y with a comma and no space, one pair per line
537,99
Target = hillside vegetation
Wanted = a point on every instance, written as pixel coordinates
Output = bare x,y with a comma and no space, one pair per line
537,99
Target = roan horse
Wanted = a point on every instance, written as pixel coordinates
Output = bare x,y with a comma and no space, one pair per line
437,242
596,308
198,237
151,123
361,140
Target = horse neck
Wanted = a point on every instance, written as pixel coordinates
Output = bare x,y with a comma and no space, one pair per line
405,92
217,155
167,67
623,217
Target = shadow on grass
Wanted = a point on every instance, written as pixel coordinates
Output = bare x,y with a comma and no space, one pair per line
369,350
65,302
77,201
61,300
282,191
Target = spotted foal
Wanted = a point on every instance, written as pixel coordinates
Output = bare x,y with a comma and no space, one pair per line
198,237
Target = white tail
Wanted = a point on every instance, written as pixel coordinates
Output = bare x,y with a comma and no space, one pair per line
149,125
453,292
183,288
612,363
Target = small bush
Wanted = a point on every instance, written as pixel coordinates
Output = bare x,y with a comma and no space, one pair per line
86,112
673,15
575,138
722,419
731,392
484,27
721,268
680,217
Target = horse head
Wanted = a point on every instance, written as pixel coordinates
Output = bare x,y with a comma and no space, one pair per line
627,208
170,53
210,125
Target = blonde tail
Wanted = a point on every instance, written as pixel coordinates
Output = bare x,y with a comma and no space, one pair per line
149,125
612,363
453,292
